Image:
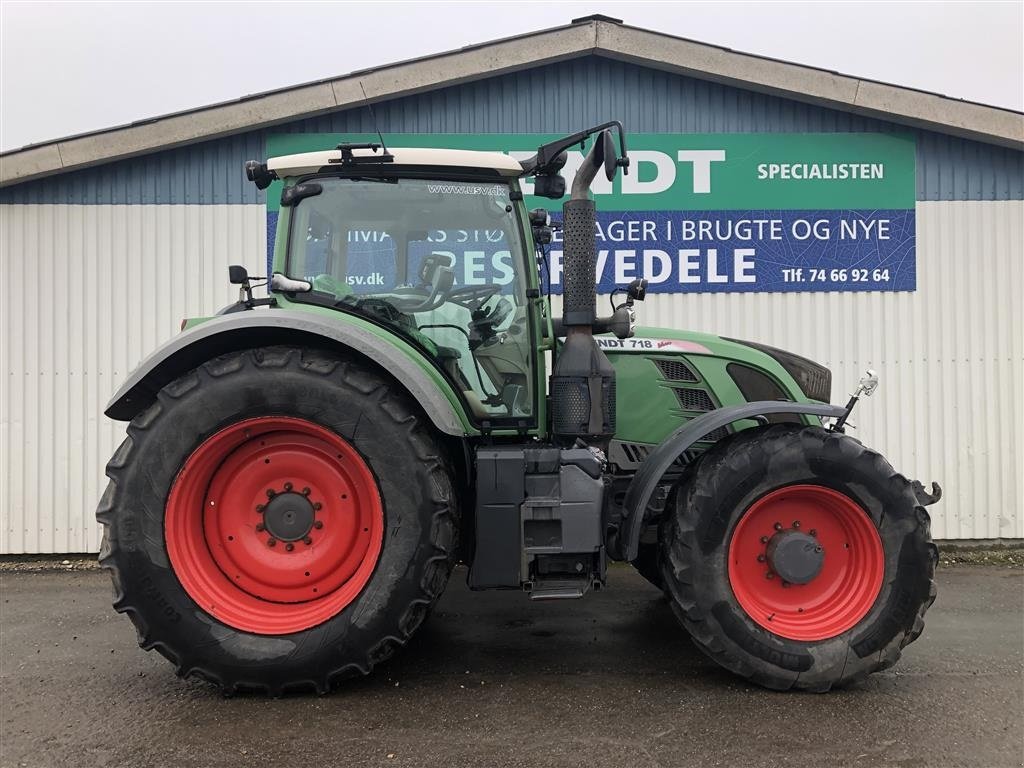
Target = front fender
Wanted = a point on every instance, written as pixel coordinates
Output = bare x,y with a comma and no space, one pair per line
261,328
625,545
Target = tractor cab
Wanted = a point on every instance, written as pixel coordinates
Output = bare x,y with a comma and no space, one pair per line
433,245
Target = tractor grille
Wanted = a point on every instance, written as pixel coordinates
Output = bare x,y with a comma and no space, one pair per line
635,452
694,399
675,370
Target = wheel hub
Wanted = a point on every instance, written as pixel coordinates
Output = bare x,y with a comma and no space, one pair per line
780,575
274,524
288,516
796,557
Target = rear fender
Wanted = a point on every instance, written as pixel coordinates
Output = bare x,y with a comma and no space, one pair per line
245,330
645,482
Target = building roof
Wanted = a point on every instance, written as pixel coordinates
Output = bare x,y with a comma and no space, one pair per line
591,35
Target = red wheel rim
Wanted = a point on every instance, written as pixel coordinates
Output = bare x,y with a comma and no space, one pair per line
851,570
274,525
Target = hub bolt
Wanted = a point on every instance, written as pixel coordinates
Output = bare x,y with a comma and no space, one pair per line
796,523
307,540
260,527
764,539
785,583
289,546
769,575
761,558
271,493
287,486
778,526
813,532
271,542
306,491
260,508
318,524
317,505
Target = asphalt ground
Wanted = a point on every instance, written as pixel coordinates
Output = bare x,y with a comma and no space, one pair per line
494,680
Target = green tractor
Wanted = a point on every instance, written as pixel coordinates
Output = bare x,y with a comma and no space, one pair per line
302,471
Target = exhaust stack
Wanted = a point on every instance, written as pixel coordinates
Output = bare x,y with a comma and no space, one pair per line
583,381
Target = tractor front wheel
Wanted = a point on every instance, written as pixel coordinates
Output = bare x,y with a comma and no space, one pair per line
798,558
279,518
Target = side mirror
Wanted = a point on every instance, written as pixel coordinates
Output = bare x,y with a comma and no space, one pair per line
551,186
238,275
611,160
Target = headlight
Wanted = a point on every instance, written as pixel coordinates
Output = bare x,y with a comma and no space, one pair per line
814,380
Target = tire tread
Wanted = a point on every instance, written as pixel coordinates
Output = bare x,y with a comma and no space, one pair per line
398,407
679,544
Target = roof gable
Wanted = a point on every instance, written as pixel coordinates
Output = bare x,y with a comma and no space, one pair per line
590,36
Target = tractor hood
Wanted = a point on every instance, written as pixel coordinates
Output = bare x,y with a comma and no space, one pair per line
667,377
812,380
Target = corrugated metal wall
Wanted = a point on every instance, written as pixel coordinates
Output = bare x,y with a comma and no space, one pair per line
107,261
950,354
950,406
91,291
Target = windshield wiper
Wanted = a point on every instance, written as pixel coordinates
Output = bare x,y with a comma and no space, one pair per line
378,179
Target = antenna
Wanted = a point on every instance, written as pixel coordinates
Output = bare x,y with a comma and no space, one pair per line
373,117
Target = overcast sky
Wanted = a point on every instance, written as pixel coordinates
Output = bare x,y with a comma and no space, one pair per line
80,66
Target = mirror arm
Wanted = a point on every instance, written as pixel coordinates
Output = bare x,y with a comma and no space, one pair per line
547,153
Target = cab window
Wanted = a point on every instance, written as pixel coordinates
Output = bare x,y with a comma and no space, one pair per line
439,262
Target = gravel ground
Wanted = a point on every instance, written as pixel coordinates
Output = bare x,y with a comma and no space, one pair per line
1010,556
494,680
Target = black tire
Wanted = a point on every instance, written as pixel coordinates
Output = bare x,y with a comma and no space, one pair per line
719,489
414,480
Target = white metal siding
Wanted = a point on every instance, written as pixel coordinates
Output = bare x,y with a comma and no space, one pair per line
92,289
89,292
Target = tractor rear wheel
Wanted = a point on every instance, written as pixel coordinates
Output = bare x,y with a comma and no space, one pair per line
798,558
278,519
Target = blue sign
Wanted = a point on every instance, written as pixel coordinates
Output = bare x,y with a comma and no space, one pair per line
753,251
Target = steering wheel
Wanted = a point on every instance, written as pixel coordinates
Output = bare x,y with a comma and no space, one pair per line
472,297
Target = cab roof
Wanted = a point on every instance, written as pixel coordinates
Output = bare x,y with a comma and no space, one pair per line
311,162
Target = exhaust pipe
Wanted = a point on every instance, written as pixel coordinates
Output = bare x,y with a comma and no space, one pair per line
583,380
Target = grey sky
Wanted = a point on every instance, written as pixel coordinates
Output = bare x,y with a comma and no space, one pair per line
74,67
